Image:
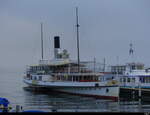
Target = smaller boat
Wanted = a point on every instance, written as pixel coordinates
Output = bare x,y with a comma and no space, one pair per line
132,75
133,80
4,105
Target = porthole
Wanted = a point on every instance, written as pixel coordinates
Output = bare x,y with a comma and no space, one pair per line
107,90
96,84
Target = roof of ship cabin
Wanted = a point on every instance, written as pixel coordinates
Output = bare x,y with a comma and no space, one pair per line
57,64
135,63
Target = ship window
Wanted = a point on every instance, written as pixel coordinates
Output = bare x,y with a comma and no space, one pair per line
74,78
34,77
133,79
124,79
146,79
143,80
128,79
120,79
40,78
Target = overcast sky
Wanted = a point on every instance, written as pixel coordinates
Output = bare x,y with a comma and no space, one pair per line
107,27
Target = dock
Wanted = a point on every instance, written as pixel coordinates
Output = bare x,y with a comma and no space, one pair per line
136,94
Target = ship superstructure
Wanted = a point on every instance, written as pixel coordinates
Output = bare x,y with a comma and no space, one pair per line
62,74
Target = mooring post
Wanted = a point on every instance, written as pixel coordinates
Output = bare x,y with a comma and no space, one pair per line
140,92
140,97
133,93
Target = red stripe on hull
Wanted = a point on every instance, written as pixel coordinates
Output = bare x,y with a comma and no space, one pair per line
88,95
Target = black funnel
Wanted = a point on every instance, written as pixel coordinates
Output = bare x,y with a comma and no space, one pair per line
56,42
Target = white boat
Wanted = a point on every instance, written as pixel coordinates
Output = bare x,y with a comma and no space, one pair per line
65,75
130,75
61,74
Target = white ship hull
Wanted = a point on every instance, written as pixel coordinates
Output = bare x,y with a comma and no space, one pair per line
78,88
100,92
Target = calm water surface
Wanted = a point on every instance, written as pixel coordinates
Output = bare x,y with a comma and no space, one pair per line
11,87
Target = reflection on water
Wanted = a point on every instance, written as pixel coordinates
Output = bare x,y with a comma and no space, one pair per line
11,87
64,102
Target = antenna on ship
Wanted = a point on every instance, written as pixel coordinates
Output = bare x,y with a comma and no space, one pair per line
77,25
42,40
131,50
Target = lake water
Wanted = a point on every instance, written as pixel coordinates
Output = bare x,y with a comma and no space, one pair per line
11,87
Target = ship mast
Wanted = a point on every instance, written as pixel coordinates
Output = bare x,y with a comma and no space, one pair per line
77,25
42,40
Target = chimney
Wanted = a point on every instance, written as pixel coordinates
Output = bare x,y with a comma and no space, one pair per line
56,42
56,46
